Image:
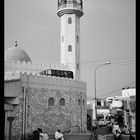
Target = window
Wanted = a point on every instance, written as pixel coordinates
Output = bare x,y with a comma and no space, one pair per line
69,20
77,37
79,102
69,48
99,103
83,102
62,38
51,102
62,102
77,66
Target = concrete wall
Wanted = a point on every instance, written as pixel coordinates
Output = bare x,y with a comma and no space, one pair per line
124,137
77,137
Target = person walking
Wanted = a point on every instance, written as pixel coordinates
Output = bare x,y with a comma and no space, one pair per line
116,131
44,136
36,133
59,135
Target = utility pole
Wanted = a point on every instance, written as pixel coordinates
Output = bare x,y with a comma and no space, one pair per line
106,63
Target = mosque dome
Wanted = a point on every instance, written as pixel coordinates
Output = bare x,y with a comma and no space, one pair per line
16,54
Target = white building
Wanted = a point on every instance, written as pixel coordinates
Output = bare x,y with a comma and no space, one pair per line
129,95
100,107
127,92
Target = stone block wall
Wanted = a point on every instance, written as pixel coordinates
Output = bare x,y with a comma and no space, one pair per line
35,111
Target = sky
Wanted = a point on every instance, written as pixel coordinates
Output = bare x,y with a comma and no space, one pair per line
107,32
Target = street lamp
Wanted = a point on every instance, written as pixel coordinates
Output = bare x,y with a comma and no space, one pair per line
106,63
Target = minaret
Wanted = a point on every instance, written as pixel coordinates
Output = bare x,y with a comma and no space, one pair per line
70,12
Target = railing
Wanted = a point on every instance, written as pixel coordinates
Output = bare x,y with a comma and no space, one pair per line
71,5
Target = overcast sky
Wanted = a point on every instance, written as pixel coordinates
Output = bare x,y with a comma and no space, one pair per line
107,34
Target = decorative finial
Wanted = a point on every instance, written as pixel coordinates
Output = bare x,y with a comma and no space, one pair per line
16,43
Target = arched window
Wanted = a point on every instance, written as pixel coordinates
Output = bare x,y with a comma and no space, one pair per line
83,102
69,20
51,102
69,48
77,37
62,38
77,66
79,102
62,102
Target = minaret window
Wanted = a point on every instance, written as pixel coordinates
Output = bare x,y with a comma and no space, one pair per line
79,102
62,38
69,20
77,66
83,102
77,37
69,48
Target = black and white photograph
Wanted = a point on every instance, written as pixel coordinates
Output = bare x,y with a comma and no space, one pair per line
69,69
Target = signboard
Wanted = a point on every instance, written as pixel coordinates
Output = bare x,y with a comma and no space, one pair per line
57,73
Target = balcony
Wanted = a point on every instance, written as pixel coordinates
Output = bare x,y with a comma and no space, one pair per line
70,7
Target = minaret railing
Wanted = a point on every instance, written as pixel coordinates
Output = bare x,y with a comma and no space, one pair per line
73,4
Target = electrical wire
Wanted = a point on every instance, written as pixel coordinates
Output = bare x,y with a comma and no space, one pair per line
95,63
112,64
115,61
108,59
130,84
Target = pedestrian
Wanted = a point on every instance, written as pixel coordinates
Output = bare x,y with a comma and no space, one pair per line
59,135
128,129
44,136
36,133
130,133
116,131
109,128
131,137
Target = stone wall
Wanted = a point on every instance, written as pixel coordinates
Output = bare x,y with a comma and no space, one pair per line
34,110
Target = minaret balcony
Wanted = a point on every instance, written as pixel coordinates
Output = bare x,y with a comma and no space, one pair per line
64,5
69,9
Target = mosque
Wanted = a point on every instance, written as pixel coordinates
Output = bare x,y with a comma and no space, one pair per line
32,100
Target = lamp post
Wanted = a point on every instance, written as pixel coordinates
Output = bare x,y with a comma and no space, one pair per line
106,63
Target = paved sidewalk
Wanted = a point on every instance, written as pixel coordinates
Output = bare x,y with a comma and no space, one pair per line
101,137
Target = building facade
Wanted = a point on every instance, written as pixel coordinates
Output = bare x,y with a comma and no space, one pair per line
129,95
49,103
34,101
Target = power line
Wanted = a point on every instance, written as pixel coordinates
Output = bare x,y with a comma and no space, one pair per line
117,90
112,64
124,61
110,59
